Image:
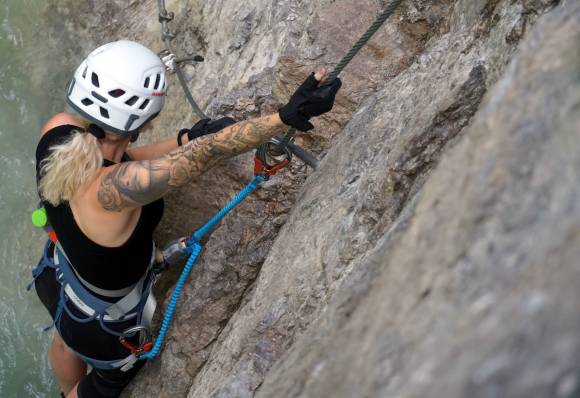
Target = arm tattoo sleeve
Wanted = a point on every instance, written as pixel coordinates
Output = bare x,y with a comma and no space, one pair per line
134,184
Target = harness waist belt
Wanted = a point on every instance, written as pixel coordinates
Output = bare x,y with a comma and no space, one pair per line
90,304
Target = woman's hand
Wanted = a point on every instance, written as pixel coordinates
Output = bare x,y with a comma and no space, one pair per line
204,127
313,98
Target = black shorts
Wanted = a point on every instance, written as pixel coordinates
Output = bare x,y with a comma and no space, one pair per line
90,340
106,383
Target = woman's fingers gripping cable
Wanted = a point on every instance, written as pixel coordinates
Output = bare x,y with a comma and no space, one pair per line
313,98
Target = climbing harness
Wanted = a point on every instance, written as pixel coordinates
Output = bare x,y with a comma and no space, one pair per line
279,151
79,300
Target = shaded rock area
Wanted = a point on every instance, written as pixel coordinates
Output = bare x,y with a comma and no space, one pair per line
433,253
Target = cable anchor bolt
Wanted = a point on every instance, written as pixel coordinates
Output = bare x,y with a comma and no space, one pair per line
190,59
165,16
168,59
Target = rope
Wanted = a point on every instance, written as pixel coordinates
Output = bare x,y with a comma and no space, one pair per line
194,244
365,38
251,187
196,250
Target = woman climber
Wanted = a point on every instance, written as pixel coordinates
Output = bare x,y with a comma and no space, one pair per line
103,202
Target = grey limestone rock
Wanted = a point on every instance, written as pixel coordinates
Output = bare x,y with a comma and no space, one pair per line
476,296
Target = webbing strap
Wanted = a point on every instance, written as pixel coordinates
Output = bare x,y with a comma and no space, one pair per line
103,292
115,311
45,262
123,364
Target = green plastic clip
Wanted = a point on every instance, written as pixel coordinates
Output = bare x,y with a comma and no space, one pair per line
39,218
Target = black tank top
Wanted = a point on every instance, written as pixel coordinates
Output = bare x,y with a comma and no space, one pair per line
104,267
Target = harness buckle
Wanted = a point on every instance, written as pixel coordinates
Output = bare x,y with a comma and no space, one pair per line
145,339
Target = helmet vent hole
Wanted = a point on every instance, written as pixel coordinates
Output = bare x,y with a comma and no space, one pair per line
144,104
95,79
146,85
85,72
131,101
87,102
116,93
104,113
157,81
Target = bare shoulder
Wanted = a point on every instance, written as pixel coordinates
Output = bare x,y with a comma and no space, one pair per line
60,119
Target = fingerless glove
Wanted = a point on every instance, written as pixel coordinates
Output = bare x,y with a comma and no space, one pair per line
204,127
309,101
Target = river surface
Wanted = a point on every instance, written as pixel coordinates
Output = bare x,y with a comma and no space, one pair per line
24,370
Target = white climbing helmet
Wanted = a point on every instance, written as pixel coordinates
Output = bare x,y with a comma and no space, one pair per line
119,86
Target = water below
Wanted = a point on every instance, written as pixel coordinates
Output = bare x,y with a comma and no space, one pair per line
24,370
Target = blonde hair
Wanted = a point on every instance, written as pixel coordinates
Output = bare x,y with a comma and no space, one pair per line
70,166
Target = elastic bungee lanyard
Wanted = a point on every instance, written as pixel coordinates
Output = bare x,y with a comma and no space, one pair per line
194,245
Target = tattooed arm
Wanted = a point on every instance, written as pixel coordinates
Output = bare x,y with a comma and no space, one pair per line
135,184
154,151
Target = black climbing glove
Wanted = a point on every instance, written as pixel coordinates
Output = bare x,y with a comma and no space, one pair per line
309,101
204,127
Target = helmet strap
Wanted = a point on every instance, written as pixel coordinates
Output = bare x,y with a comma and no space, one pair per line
95,130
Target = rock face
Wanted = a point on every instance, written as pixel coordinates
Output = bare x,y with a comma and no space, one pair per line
434,251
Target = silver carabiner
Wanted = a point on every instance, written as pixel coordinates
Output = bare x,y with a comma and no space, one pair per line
145,339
